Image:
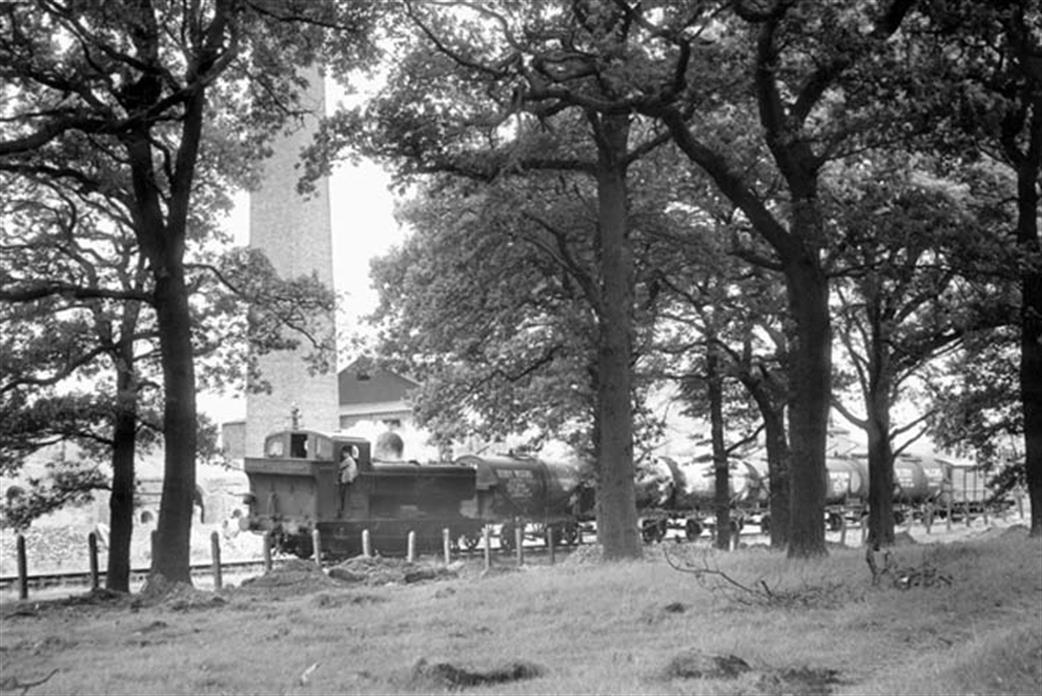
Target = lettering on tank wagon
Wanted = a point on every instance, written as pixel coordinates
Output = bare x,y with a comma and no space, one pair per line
905,477
519,482
840,481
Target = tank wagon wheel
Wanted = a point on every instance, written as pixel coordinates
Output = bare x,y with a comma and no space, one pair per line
468,542
569,533
693,529
834,521
651,531
506,538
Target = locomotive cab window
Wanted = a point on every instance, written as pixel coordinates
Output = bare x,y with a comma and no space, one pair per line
298,445
274,447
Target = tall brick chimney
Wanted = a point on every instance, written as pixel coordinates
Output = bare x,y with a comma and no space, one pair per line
296,235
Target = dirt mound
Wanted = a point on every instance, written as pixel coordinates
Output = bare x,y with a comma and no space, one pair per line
585,555
293,574
449,676
808,681
376,570
176,596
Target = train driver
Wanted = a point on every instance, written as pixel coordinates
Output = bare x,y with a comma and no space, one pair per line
347,471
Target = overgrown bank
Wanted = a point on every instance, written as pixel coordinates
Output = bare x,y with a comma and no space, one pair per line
743,623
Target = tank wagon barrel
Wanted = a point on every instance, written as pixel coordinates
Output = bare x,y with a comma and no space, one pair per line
526,491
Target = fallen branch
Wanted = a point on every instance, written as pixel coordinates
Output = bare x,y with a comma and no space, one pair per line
12,683
760,594
903,577
705,571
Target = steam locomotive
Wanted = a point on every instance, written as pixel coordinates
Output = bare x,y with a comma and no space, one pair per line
299,487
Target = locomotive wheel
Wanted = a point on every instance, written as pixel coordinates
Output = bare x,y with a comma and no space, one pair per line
765,524
899,517
470,541
300,545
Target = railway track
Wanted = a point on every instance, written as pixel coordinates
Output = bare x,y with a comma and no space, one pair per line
202,573
82,579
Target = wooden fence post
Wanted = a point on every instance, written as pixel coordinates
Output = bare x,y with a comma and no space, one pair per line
367,546
410,547
519,543
92,554
215,560
446,545
316,542
23,569
266,551
550,543
486,535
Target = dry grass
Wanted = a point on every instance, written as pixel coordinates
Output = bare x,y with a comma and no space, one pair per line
578,627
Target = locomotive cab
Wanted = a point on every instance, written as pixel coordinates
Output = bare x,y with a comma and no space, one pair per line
295,483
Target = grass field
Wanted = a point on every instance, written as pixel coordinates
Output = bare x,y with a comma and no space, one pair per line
955,618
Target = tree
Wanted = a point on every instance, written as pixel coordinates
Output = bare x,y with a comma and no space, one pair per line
76,312
808,69
991,91
136,84
724,319
497,353
913,273
497,89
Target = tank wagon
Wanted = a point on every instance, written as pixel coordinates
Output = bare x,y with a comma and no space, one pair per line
924,484
674,495
526,492
312,481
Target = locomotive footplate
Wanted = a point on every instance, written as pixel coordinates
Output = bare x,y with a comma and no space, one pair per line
390,537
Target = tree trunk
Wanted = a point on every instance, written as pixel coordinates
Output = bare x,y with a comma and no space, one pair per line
809,380
722,475
778,476
164,243
1031,318
877,424
617,505
121,500
880,475
172,554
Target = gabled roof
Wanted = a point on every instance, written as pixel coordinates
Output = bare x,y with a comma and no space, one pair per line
361,383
